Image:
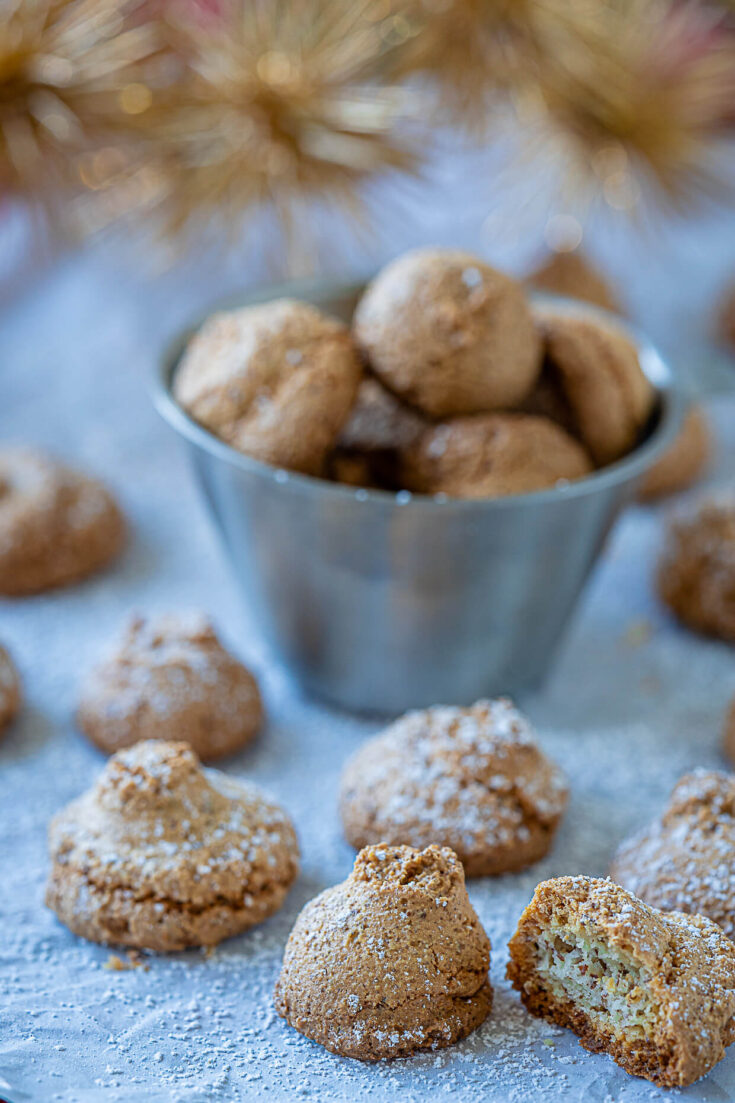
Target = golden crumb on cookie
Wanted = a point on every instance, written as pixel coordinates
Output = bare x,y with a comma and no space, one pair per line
696,572
683,462
10,689
573,275
472,779
277,381
56,525
389,962
493,455
685,860
448,333
596,367
655,990
162,854
171,678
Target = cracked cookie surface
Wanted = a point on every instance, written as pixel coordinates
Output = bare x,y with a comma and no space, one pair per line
472,779
163,854
655,990
390,962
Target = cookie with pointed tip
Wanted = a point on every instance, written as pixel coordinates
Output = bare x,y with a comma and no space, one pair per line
448,334
276,380
572,274
162,854
389,962
473,779
171,678
696,572
57,525
685,860
655,990
493,455
10,689
595,365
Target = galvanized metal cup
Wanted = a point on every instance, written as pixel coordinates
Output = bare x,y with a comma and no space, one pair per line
380,602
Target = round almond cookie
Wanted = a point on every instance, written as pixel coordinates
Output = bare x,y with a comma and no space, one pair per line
10,689
472,779
685,860
161,854
683,463
56,525
597,368
493,455
171,678
448,333
277,381
696,573
390,962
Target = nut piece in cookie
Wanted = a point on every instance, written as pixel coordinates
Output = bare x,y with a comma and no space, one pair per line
596,367
493,455
276,381
10,689
448,333
390,962
696,573
472,779
655,990
171,678
56,525
685,861
684,461
571,274
162,854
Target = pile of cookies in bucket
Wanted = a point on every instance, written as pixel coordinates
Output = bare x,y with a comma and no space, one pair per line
163,853
449,381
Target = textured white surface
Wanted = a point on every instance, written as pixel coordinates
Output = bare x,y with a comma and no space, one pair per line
624,714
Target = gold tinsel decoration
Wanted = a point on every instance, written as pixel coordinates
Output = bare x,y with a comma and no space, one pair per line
69,78
202,112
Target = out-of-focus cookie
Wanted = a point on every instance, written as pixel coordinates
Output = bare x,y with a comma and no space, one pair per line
655,990
162,854
371,444
596,366
448,333
10,689
696,573
276,381
472,779
390,962
493,455
728,734
171,678
56,525
683,463
685,860
573,275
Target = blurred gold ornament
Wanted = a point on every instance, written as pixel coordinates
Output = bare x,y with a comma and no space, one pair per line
66,68
275,101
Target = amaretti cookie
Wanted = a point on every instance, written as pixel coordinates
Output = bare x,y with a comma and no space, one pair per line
448,333
171,678
596,367
685,860
162,854
728,734
696,573
655,990
573,275
683,463
10,690
390,962
276,381
493,455
372,441
56,525
472,779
